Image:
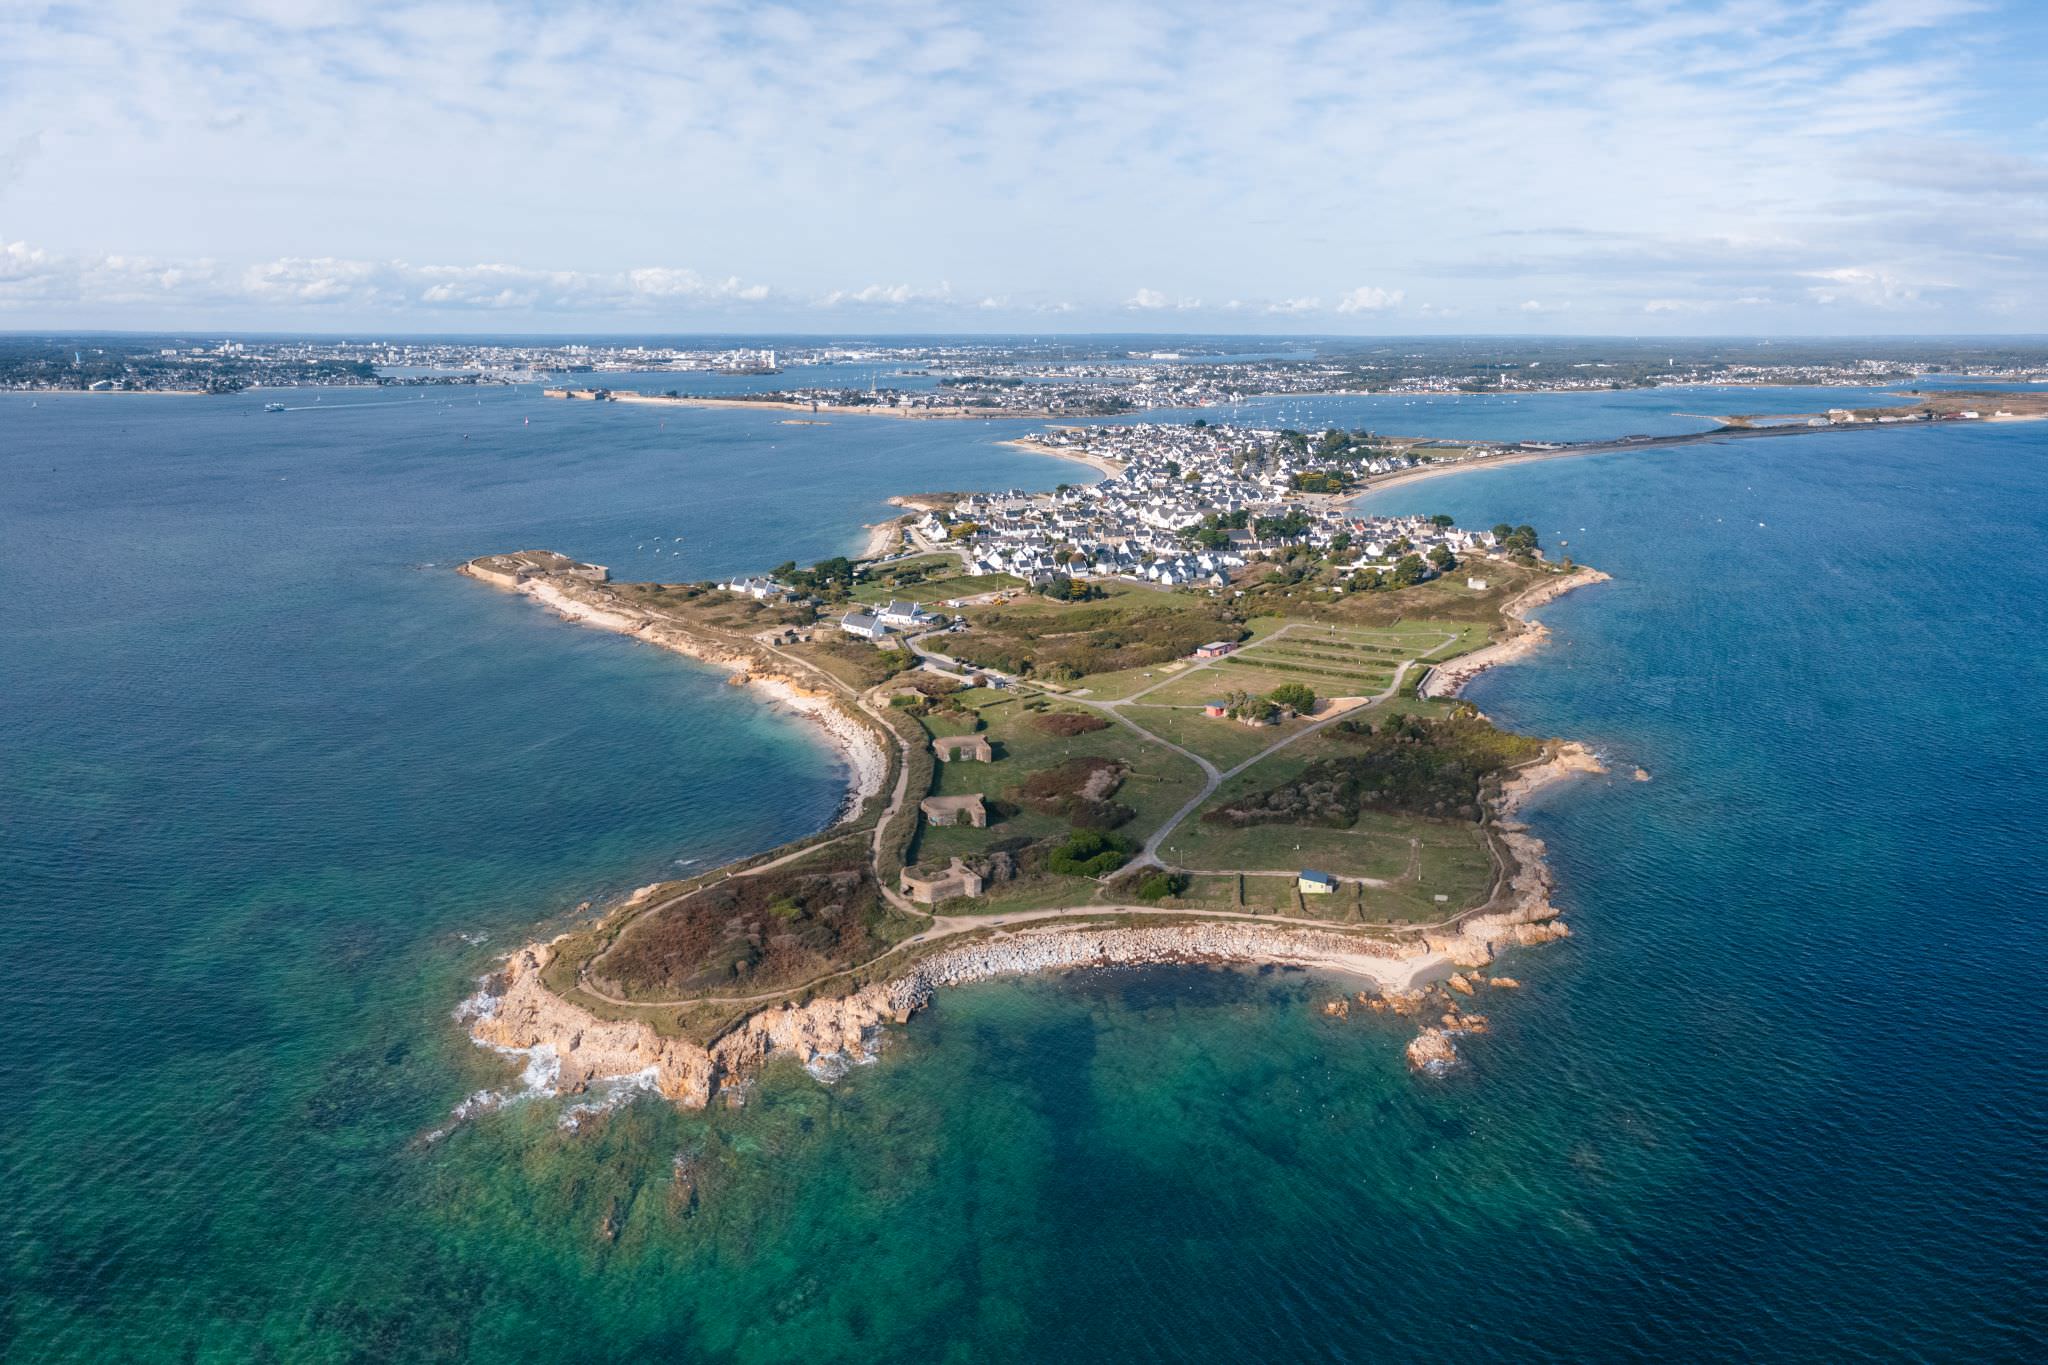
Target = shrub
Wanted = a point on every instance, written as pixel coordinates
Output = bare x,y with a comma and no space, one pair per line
1159,885
1089,853
1412,764
1067,724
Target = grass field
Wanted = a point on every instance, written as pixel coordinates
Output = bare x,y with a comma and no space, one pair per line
1130,627
1418,858
929,579
1223,742
1159,781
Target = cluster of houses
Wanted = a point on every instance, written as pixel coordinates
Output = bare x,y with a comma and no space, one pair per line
1136,523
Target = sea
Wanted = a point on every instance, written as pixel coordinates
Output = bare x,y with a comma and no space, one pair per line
277,787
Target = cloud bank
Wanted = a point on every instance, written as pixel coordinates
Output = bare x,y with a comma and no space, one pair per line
1788,165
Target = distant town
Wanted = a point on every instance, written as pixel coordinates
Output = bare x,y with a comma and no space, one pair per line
1085,377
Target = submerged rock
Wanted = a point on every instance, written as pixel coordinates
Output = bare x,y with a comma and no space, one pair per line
1432,1052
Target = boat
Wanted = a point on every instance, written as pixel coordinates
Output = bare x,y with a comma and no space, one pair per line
273,407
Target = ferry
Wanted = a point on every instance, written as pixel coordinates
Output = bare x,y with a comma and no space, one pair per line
273,407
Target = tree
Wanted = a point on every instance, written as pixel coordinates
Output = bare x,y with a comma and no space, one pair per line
1442,557
1340,542
1408,572
1368,580
1442,521
1516,539
1282,528
1300,696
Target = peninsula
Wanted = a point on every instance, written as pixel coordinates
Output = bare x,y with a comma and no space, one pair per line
1186,714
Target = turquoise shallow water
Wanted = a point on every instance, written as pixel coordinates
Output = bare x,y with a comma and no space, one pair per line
1782,1097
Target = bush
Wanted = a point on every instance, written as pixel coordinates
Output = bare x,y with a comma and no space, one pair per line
1089,853
1067,724
1159,885
1412,765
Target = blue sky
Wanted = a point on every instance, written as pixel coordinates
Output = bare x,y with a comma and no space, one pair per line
1586,166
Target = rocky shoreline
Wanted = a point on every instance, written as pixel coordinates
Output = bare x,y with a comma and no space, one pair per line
517,1013
1526,637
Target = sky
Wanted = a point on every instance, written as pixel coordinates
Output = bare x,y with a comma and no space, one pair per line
1728,167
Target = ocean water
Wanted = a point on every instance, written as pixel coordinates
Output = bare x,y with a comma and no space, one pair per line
273,795
1671,411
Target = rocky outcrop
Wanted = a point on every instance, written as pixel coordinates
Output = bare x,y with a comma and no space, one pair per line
519,1014
525,1016
1432,1052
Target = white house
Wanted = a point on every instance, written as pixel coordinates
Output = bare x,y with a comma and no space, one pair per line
904,615
760,589
861,624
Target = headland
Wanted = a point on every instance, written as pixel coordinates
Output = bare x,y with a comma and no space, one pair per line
1050,771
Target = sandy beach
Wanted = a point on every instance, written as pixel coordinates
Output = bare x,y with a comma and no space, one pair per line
866,760
1096,462
883,538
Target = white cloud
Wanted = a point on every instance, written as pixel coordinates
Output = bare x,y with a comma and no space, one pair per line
1863,286
31,275
1657,151
1153,301
1369,298
888,296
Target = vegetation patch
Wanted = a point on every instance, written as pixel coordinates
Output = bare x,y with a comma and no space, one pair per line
1132,628
1089,853
1078,790
753,933
1409,764
1067,724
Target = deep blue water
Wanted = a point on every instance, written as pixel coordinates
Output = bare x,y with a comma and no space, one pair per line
1783,1096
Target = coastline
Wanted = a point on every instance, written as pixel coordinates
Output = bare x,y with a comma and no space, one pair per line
1100,464
515,1012
866,760
806,407
118,393
883,538
1525,636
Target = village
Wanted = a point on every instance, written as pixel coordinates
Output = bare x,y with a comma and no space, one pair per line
1188,505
